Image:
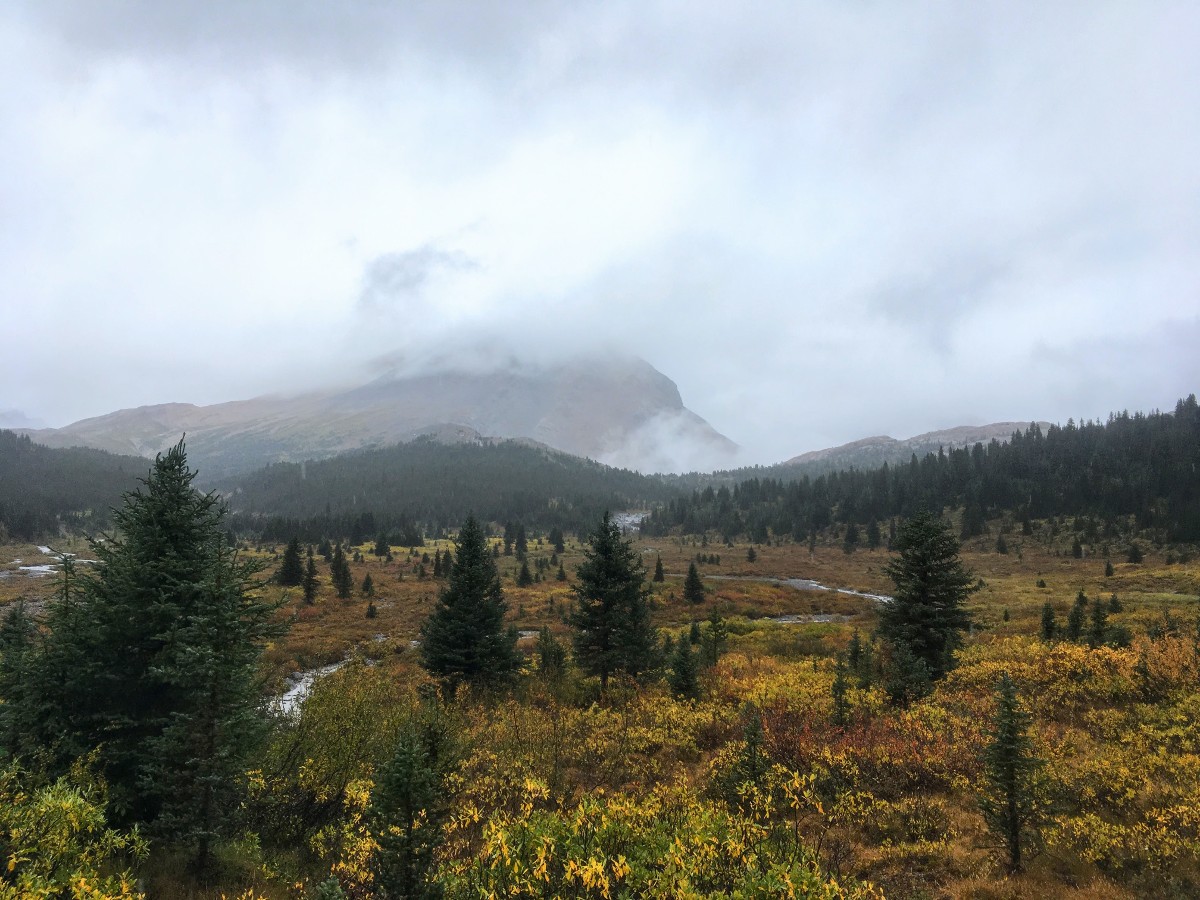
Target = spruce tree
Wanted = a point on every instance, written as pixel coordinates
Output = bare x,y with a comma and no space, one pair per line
659,575
464,639
612,617
1077,617
310,578
291,568
926,615
838,691
683,676
154,657
693,587
368,586
1008,803
339,574
1049,623
524,578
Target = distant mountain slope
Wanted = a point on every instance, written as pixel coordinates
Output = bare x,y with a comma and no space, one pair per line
621,412
872,452
43,489
434,485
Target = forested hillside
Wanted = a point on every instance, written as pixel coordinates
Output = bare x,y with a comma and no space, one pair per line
434,486
43,490
1144,466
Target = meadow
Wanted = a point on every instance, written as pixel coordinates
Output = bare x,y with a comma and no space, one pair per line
759,786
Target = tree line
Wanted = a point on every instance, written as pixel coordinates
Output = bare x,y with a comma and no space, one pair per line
1145,467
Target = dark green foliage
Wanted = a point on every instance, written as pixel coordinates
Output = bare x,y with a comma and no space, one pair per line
1099,624
874,538
408,809
926,616
612,618
44,489
1008,802
1049,622
1108,568
1077,617
1134,554
1076,549
291,568
1146,466
562,573
556,539
693,587
152,657
1001,546
1115,605
713,640
683,676
850,541
1041,582
839,689
659,575
368,586
18,711
310,578
372,612
906,676
694,633
751,555
381,546
524,578
440,485
464,639
521,543
339,574
552,656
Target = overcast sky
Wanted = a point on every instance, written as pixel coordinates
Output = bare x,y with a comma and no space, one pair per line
822,220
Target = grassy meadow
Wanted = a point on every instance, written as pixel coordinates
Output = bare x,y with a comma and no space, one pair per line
557,791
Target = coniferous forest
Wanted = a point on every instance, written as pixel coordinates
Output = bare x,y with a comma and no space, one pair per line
433,671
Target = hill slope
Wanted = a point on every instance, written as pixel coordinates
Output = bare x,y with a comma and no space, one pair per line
622,412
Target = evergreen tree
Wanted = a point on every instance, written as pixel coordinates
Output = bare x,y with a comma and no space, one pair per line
464,639
839,689
408,810
612,617
926,615
382,548
684,676
1099,624
751,555
556,538
339,574
850,542
18,712
693,587
153,660
522,545
874,538
1049,623
524,578
437,564
713,640
1077,617
368,586
562,573
552,656
1007,803
659,575
1108,568
310,579
291,568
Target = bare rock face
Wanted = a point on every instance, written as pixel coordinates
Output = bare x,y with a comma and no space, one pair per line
622,412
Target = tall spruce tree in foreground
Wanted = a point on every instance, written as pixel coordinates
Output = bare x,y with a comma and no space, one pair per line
612,617
464,639
1008,803
926,618
152,658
